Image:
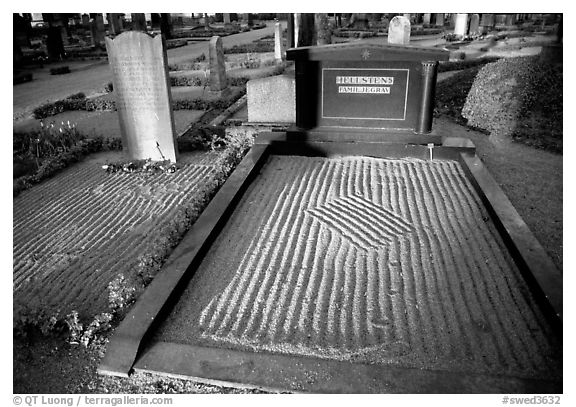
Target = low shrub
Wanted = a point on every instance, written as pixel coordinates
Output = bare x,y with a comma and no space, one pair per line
60,70
513,91
72,102
446,66
109,87
186,80
22,78
451,94
100,104
264,46
60,158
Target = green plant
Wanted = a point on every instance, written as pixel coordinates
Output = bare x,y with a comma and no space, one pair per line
72,102
53,164
120,294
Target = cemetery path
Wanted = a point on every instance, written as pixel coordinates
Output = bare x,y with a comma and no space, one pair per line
92,79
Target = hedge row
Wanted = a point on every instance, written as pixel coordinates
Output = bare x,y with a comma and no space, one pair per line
264,46
459,65
510,90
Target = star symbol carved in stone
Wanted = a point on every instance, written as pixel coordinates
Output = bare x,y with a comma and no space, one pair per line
365,54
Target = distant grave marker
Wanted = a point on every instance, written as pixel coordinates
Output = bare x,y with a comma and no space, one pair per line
218,81
143,99
399,31
474,24
461,25
279,52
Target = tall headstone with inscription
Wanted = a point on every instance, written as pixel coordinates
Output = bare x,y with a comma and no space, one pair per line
399,31
279,53
143,98
218,81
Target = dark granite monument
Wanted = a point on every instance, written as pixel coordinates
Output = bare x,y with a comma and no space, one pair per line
366,88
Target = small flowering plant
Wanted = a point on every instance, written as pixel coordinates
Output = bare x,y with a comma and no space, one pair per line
52,139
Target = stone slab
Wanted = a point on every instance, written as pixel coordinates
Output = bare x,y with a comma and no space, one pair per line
272,99
399,31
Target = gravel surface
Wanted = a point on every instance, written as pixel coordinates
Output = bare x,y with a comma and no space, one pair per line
368,260
77,231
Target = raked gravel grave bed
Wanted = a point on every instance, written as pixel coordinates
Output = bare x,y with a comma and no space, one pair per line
76,232
368,260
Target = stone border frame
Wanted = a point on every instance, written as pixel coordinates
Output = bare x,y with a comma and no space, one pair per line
129,351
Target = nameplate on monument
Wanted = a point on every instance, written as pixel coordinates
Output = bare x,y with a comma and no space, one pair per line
364,94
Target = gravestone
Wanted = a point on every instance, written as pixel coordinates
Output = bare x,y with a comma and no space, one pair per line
474,24
365,88
399,31
139,21
114,25
143,99
279,52
487,21
97,30
290,34
439,21
54,43
218,81
64,35
272,100
322,29
510,19
426,18
461,27
359,21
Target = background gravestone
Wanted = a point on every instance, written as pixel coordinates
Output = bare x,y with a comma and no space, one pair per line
143,100
218,81
474,24
461,26
279,54
426,18
399,31
139,21
272,100
439,21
